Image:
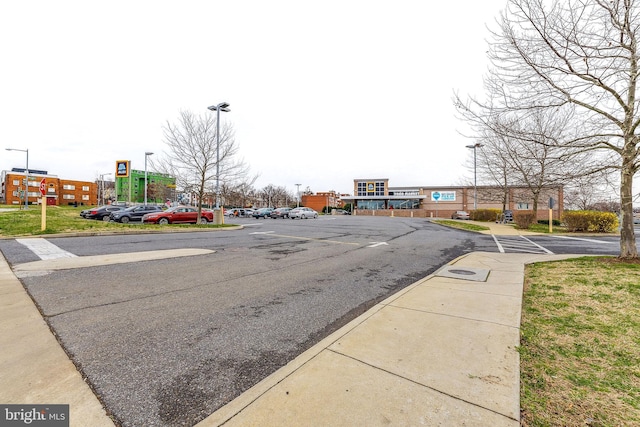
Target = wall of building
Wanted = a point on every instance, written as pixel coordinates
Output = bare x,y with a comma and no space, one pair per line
318,201
59,191
375,197
160,187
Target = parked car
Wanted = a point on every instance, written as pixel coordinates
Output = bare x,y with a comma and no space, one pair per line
341,212
134,213
102,212
280,213
460,215
178,215
237,212
262,213
302,213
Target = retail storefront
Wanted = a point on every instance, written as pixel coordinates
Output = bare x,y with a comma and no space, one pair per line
376,197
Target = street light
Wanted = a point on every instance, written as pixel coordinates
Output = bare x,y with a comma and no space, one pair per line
102,175
223,106
26,172
146,154
298,194
475,180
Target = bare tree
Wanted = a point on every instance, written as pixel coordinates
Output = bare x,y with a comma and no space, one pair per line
582,53
193,153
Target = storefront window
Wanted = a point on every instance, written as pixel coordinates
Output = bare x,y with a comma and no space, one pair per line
404,204
371,204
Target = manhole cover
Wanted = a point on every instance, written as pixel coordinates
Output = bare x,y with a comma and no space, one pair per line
466,272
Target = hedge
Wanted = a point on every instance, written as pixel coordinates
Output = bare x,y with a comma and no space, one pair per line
590,221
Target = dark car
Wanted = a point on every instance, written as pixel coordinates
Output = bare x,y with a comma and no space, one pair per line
262,213
134,213
280,213
178,215
102,212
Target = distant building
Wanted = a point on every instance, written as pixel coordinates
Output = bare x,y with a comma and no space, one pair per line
59,191
376,197
160,187
319,200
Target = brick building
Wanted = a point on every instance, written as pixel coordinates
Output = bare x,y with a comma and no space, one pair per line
376,197
318,201
59,191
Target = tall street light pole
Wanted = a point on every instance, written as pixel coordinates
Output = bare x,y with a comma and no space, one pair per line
146,154
26,173
475,179
223,106
298,194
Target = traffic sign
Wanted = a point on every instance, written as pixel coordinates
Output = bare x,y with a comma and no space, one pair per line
42,187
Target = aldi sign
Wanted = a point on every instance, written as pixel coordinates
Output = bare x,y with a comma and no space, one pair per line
443,196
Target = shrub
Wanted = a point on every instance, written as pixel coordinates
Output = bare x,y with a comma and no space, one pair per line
590,221
485,214
523,219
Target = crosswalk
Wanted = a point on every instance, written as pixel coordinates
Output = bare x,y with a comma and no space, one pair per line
45,249
519,244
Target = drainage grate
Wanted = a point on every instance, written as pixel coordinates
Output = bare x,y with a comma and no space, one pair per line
471,274
467,272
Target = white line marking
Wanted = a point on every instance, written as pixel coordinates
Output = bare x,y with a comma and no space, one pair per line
45,249
500,248
535,244
374,244
586,240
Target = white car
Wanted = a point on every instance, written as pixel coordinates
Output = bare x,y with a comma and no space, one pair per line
302,213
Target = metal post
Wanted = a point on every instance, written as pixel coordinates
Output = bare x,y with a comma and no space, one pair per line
298,195
223,106
475,181
146,154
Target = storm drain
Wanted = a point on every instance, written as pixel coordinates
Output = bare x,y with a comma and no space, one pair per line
466,273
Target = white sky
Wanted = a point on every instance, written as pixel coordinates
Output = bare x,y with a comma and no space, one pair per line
321,93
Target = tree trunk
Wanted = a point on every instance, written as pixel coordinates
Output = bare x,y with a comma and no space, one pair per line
628,248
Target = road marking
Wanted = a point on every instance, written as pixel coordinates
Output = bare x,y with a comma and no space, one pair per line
262,232
535,244
45,249
515,244
46,266
500,248
587,240
375,244
271,233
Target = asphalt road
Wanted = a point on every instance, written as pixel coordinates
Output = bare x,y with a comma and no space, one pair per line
166,343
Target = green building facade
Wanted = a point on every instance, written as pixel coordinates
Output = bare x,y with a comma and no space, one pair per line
160,188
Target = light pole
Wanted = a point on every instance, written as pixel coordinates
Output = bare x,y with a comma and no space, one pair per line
26,173
102,175
146,154
298,197
223,106
475,180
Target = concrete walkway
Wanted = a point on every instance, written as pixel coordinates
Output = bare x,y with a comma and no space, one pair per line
440,352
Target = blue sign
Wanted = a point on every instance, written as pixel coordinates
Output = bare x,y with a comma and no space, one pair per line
443,196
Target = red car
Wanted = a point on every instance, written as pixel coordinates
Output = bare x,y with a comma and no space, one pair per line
178,215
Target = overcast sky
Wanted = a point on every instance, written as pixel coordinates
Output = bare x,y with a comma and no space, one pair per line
321,93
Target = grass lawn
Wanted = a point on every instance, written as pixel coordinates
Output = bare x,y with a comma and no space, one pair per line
67,219
580,344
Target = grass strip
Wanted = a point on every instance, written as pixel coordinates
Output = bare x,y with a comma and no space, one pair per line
580,343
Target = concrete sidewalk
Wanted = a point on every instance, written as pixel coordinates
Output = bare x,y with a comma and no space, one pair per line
440,352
